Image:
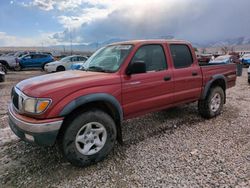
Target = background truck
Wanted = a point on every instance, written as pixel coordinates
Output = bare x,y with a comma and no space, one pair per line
83,110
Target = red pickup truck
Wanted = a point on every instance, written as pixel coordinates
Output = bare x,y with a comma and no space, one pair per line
83,110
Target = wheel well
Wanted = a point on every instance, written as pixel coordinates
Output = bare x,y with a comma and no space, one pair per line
100,105
60,66
221,83
5,63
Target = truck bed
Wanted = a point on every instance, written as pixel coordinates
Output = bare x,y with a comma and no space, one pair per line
211,70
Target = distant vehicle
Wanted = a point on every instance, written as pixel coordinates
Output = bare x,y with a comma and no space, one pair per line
245,59
64,64
225,59
248,71
10,60
204,58
34,60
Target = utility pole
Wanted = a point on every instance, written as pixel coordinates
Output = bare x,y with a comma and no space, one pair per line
70,35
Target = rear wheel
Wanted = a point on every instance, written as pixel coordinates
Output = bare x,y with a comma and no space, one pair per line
213,104
43,67
88,138
60,68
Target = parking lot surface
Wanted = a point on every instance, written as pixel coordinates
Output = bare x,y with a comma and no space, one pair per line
170,148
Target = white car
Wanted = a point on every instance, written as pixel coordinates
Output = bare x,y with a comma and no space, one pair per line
64,64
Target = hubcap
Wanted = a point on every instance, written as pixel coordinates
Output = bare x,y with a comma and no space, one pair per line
215,102
91,138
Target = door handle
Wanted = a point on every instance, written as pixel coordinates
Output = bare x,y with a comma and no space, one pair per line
167,78
194,73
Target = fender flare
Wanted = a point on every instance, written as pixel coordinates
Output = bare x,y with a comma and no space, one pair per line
104,97
210,82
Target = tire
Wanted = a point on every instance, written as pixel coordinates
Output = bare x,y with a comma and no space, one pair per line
4,69
43,67
18,68
213,104
2,78
86,128
60,68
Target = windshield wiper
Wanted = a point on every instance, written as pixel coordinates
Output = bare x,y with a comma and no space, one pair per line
98,69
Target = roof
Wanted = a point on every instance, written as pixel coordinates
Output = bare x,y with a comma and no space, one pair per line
151,41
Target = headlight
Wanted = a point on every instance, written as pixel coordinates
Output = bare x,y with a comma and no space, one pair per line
37,106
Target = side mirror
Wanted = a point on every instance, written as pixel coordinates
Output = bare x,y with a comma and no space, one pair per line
136,67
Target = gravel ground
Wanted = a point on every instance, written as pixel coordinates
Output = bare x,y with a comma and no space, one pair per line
171,148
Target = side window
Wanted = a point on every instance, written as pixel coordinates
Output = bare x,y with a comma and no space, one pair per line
181,55
153,56
27,57
73,59
82,59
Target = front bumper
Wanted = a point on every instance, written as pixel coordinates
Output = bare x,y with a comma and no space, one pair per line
50,68
41,132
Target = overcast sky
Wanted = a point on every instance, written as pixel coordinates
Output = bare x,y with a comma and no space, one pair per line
51,22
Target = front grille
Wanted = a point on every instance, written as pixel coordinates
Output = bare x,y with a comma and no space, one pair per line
15,98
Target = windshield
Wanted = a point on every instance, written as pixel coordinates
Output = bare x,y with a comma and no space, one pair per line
65,59
108,59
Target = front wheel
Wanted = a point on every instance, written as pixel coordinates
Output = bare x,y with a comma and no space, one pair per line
89,138
18,68
4,68
60,68
213,104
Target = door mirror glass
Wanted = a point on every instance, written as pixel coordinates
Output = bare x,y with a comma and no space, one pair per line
136,67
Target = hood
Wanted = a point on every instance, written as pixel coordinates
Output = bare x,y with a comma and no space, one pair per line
65,83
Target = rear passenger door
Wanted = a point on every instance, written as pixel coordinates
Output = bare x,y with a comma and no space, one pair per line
187,74
148,91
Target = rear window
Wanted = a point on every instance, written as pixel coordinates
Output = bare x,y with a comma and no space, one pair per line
181,55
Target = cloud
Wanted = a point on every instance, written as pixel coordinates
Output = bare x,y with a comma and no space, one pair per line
194,20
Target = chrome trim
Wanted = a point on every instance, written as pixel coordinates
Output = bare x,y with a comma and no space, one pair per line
34,127
21,97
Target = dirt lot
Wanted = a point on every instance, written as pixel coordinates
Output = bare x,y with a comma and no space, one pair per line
171,148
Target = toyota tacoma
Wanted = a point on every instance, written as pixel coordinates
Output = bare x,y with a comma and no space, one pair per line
83,110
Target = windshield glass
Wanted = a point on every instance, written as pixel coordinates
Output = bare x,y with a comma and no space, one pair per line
65,59
108,59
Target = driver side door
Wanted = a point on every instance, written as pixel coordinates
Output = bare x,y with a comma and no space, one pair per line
149,91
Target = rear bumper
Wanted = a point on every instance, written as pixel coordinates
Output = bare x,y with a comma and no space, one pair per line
41,132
